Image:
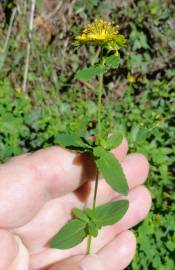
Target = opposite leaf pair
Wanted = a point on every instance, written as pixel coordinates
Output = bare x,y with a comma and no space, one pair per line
106,162
88,222
109,62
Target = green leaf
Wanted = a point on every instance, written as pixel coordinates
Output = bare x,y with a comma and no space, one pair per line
103,143
73,140
112,61
90,213
88,73
111,170
92,229
120,41
70,235
110,213
114,140
79,214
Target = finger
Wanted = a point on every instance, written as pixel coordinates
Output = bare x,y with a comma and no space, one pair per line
7,243
39,230
67,266
116,255
135,167
21,262
27,182
139,205
121,151
57,212
67,171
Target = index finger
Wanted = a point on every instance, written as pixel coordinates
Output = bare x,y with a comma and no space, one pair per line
28,182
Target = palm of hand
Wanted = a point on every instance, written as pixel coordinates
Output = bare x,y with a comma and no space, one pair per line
36,198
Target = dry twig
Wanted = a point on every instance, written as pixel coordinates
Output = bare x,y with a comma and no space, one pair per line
33,4
4,51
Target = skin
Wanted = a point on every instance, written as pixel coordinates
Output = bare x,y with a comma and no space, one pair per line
37,193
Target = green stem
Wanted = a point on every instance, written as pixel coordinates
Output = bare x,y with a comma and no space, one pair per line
95,190
93,207
100,92
88,244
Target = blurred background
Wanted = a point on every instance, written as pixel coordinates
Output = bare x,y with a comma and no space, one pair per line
140,95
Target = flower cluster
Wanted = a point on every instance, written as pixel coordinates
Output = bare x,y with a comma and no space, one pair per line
103,33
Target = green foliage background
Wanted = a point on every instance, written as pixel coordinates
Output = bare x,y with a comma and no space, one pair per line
143,109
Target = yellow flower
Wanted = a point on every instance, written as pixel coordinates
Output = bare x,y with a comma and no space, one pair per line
103,33
131,78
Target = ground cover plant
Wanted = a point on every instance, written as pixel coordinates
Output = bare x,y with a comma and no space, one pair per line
140,96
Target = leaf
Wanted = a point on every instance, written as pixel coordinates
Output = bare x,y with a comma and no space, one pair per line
79,214
120,41
92,229
110,213
90,213
111,170
112,61
114,140
70,140
88,73
70,235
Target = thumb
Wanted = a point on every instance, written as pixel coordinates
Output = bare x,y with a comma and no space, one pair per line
89,262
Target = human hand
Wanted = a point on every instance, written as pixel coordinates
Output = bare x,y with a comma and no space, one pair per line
36,198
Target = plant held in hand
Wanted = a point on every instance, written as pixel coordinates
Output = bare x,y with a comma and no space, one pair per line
89,221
